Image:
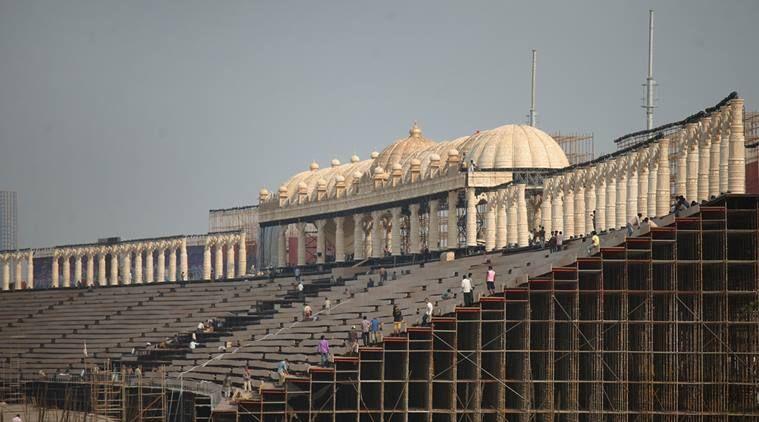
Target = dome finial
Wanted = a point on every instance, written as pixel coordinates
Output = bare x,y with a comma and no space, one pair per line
415,131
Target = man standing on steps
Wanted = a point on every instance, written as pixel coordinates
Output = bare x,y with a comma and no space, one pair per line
466,289
323,349
365,325
490,280
427,313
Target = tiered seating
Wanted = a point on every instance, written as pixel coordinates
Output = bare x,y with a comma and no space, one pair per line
285,335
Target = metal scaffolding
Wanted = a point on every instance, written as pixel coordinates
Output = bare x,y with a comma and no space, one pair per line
577,147
662,328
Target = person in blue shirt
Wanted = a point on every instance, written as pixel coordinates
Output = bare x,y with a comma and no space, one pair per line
374,330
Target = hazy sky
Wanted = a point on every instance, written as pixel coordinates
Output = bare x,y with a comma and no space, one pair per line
133,118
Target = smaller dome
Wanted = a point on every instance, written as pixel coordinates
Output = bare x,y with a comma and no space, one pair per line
434,157
357,175
453,153
314,166
283,188
415,162
378,171
322,183
375,154
415,131
302,186
355,159
263,192
397,166
340,178
335,162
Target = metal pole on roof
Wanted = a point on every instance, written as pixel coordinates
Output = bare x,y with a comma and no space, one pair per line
532,90
650,83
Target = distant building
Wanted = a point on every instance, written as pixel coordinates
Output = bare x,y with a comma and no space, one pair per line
239,218
8,220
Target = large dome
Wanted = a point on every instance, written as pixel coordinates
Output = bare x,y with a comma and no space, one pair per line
399,151
512,146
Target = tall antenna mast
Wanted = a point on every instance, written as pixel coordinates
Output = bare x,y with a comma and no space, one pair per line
650,83
532,91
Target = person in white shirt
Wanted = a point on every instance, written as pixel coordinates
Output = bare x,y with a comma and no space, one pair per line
634,223
428,313
466,289
17,418
490,280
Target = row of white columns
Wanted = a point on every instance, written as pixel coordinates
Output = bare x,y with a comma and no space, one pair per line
121,263
224,245
380,230
18,261
709,159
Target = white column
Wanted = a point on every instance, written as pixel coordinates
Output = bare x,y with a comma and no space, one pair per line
377,235
714,160
681,182
301,244
172,276
138,265
471,218
523,228
30,270
54,272
358,237
501,221
114,268
545,213
621,215
207,262
704,148
90,268
433,231
736,178
652,173
320,241
557,216
149,278
724,158
161,258
6,273
662,181
102,281
453,230
512,235
600,203
281,248
339,239
691,182
77,268
643,189
632,194
242,256
66,271
414,229
569,212
580,216
490,229
395,231
219,257
590,206
127,276
230,260
611,203
184,268
17,274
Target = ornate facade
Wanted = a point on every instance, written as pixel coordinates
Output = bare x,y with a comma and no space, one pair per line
497,186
